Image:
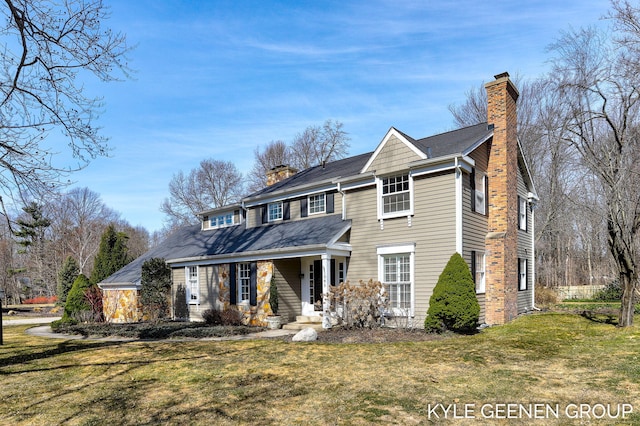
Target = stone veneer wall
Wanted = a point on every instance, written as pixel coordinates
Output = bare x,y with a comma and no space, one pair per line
253,315
121,306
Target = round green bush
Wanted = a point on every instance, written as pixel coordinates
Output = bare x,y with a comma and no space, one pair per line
453,304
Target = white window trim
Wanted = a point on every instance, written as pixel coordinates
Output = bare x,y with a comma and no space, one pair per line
324,197
187,272
522,284
240,279
522,218
480,207
224,220
269,219
400,249
379,189
481,288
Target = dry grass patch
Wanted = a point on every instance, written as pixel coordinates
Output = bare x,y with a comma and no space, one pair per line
550,358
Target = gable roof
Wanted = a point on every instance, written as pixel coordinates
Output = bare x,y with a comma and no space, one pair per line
192,243
408,141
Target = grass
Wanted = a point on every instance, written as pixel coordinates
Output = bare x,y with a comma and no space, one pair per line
547,358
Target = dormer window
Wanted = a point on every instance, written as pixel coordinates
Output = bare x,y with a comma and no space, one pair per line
395,196
317,204
275,211
221,221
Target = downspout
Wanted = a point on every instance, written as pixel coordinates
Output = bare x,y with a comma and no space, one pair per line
344,202
458,183
533,256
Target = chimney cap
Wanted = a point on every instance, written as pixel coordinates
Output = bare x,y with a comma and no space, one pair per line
502,75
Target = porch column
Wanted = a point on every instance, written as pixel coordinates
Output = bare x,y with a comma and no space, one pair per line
326,281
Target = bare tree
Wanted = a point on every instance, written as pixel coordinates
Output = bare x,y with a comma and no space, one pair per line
47,47
315,145
213,184
600,87
276,153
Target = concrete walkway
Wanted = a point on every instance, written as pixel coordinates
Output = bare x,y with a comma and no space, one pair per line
45,331
21,321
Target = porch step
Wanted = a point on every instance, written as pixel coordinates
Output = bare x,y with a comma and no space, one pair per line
302,325
304,321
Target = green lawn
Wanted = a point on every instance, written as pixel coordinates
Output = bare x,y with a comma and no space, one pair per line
554,360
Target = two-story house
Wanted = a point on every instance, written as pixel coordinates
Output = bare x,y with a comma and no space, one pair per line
396,215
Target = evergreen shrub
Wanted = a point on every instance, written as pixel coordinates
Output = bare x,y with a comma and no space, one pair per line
453,304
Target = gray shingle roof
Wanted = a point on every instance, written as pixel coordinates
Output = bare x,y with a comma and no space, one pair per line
192,242
454,142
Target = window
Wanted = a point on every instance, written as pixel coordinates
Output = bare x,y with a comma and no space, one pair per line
395,195
317,203
244,282
479,183
193,286
312,284
340,272
522,274
275,211
395,271
221,220
479,271
522,213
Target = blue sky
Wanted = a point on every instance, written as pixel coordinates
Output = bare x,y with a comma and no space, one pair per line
215,79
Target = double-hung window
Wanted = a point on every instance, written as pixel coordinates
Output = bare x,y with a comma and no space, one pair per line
480,192
244,282
396,272
522,274
317,203
193,285
274,211
522,213
395,196
479,271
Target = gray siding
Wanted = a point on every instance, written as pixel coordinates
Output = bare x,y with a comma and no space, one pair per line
474,225
524,250
287,275
208,287
432,231
394,156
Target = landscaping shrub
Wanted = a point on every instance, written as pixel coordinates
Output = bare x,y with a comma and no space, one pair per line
156,284
359,306
611,293
453,304
545,297
41,300
226,317
77,304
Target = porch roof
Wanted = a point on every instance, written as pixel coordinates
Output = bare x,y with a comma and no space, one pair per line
191,243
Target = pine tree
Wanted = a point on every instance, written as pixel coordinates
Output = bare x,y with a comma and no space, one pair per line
31,236
66,276
113,254
453,304
76,300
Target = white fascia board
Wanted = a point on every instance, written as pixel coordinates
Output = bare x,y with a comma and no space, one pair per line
120,286
532,190
440,164
228,208
476,144
392,132
339,234
298,191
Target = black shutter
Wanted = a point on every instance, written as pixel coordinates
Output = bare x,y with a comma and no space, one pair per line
519,273
253,284
473,265
329,201
472,183
317,280
233,285
286,214
332,281
303,207
519,212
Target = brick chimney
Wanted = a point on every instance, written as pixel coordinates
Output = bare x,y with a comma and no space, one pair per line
501,242
279,173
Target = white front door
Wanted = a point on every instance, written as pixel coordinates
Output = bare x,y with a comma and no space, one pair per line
307,283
